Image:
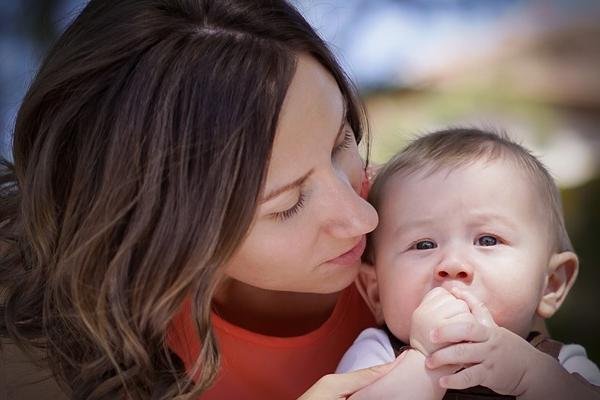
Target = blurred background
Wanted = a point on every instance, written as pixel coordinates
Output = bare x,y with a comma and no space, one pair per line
530,67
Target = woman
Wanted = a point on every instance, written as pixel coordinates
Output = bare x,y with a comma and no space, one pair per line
183,214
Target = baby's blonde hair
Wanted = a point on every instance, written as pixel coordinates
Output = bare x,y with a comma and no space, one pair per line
456,147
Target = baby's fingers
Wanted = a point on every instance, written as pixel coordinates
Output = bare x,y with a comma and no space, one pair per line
436,293
469,331
478,309
459,354
468,377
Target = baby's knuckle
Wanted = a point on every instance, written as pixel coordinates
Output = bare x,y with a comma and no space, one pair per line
433,359
464,304
470,318
460,350
469,328
468,377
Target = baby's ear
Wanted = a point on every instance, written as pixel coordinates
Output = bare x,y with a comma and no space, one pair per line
366,282
562,272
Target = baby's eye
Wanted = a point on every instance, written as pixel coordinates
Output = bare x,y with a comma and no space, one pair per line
424,245
487,240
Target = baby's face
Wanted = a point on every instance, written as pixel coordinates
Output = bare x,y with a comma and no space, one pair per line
479,227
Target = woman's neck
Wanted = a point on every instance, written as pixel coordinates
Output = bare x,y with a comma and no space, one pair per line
270,312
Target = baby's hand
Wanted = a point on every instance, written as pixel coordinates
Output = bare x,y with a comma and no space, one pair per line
437,309
493,356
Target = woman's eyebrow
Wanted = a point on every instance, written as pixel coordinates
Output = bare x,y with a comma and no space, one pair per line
299,181
285,188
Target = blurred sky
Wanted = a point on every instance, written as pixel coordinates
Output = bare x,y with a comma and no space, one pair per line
385,42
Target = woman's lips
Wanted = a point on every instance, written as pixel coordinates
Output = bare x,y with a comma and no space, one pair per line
351,256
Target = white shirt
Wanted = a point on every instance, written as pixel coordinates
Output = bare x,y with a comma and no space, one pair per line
373,347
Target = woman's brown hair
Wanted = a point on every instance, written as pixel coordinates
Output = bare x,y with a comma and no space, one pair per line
140,152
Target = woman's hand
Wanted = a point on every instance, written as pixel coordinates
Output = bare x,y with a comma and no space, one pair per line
342,386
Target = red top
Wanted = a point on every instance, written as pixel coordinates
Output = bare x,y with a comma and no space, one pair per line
255,366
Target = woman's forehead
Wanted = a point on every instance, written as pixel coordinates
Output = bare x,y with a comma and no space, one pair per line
308,124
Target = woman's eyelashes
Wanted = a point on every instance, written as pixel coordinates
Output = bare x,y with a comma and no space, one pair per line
346,143
290,212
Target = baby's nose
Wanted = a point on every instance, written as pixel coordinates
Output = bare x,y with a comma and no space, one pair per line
453,270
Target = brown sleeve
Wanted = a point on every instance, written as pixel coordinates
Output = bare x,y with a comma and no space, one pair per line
592,387
545,344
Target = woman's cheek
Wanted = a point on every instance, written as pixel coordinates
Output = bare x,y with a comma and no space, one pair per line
294,231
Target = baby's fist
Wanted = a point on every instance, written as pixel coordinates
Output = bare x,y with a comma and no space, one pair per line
438,308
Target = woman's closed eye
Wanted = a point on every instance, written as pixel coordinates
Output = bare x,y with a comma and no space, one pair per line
346,143
290,212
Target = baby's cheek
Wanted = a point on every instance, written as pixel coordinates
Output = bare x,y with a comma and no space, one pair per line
398,319
514,318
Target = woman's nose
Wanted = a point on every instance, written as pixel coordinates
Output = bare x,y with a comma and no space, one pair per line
347,214
453,269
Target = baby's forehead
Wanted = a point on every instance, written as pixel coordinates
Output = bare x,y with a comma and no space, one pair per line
478,183
448,167
465,171
452,150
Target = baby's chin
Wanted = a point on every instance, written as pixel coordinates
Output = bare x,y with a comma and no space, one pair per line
401,334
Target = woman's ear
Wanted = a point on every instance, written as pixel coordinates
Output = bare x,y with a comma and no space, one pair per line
562,272
366,282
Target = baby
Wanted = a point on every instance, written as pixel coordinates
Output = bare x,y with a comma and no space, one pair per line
470,257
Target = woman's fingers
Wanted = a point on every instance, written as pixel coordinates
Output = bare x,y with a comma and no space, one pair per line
353,381
340,386
460,354
478,309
